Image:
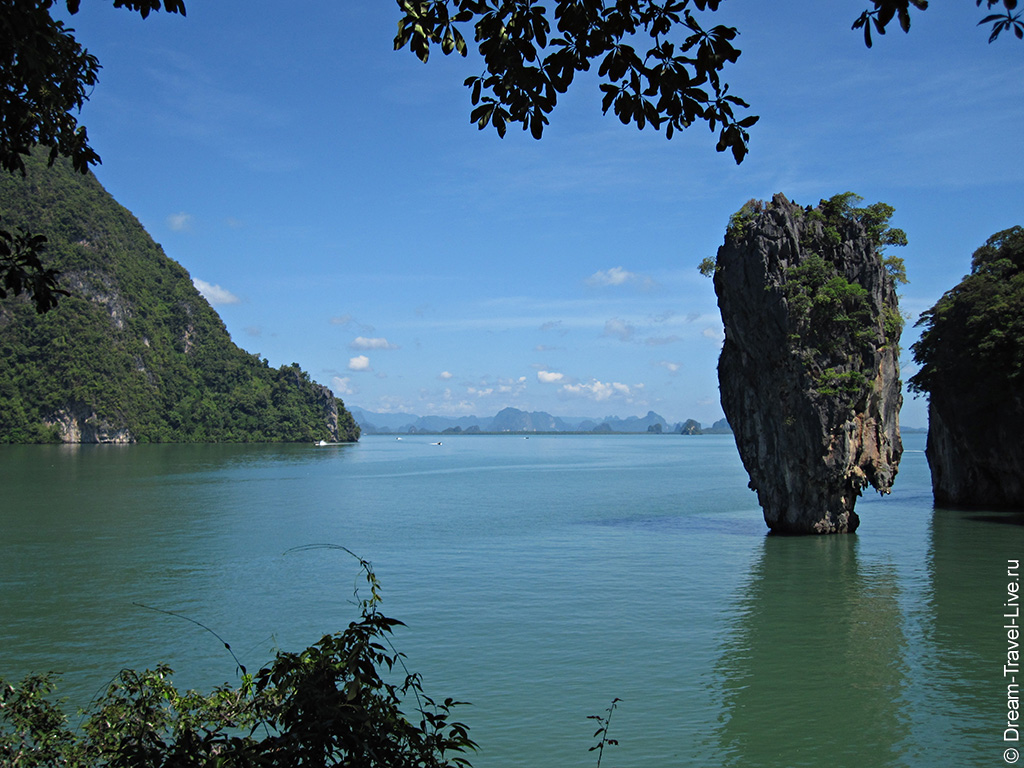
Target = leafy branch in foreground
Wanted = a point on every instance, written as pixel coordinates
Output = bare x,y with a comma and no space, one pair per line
659,62
658,65
334,703
22,270
604,722
886,10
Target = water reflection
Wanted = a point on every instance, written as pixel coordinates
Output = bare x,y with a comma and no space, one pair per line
964,648
812,672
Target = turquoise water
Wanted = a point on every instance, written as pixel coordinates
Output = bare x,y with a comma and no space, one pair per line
539,579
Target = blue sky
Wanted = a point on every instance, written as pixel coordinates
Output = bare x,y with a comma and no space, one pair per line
335,204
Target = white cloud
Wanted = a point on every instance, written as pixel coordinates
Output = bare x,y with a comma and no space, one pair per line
512,386
669,366
618,276
549,377
342,385
509,388
180,222
214,294
449,405
715,334
362,342
392,404
359,363
597,390
619,329
613,276
445,375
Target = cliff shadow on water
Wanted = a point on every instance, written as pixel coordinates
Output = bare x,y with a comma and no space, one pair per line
882,651
970,620
809,371
812,670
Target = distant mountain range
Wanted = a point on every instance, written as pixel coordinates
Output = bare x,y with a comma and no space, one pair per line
515,420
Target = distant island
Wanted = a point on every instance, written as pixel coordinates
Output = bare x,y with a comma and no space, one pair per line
515,421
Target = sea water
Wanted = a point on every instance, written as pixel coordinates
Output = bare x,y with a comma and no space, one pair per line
539,579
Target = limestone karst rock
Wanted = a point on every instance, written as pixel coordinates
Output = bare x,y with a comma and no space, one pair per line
971,354
976,456
809,372
134,352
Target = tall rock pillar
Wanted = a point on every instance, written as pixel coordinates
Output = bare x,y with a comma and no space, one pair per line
809,372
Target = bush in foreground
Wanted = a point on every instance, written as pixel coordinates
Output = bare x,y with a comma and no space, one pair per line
331,704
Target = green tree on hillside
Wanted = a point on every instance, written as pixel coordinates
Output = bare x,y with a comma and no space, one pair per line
973,338
135,349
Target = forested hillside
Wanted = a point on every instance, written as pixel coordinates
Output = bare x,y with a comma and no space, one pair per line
134,354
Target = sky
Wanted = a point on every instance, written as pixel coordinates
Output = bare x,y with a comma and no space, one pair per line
331,198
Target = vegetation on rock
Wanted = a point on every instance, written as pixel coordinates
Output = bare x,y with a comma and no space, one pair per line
971,354
973,338
134,350
809,372
832,317
832,321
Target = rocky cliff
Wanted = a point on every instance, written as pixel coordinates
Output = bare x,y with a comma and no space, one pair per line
134,353
971,355
976,458
809,374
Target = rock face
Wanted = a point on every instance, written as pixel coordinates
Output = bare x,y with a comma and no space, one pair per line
79,424
809,373
976,458
689,427
971,357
